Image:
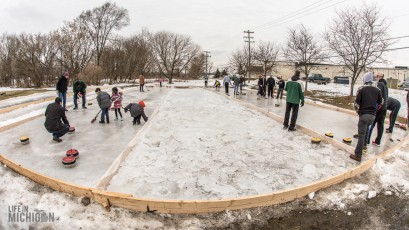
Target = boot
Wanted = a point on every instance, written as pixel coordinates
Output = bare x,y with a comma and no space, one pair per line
102,122
57,139
355,157
107,120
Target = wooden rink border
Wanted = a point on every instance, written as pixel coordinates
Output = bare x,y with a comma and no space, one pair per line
108,199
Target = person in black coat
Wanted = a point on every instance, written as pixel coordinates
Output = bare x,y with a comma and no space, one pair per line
61,88
55,120
271,82
381,112
281,85
394,107
262,86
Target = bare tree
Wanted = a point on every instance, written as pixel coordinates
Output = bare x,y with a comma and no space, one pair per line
36,58
359,36
172,52
239,59
9,44
266,54
303,49
75,46
197,67
100,23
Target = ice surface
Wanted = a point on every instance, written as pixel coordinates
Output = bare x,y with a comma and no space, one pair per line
98,144
202,146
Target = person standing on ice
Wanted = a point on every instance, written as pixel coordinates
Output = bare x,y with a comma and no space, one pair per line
79,87
55,120
295,97
141,82
206,79
116,98
394,107
281,85
262,86
62,86
226,83
271,82
368,97
381,112
236,83
241,82
104,102
137,111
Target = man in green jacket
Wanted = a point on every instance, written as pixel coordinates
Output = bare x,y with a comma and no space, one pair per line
79,87
295,95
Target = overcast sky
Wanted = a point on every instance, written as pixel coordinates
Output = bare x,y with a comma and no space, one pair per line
217,26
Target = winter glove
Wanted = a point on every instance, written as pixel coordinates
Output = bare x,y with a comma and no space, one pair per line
302,104
125,110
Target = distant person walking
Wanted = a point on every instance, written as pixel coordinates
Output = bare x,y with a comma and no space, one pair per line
394,107
104,102
226,82
368,97
56,122
295,97
141,82
381,113
281,85
79,88
62,86
271,82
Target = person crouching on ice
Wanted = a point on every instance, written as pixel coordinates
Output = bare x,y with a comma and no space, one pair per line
55,120
137,110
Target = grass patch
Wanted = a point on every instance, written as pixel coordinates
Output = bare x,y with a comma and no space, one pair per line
346,102
18,93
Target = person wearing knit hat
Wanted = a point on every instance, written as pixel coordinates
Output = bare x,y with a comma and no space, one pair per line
368,97
137,111
368,77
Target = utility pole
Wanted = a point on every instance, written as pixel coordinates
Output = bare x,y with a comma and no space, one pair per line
248,32
207,56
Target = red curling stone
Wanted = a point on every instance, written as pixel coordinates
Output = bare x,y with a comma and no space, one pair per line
73,153
69,162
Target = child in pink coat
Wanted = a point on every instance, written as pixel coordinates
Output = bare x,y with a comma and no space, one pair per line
116,98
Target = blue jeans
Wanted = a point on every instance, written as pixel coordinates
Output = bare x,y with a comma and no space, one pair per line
105,113
83,100
63,97
61,132
236,89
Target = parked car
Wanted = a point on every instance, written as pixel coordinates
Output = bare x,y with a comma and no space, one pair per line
319,79
405,84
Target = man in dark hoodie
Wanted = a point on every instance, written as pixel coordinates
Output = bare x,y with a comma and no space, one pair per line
54,114
295,97
394,107
381,113
262,86
271,82
368,97
61,87
281,85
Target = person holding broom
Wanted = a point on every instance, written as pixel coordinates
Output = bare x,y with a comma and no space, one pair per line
104,102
